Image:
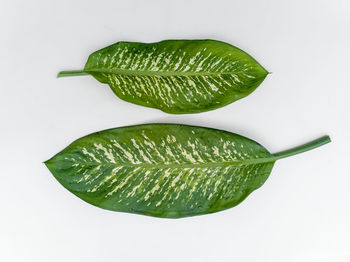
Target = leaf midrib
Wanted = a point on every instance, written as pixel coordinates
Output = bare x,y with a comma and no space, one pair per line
160,73
189,165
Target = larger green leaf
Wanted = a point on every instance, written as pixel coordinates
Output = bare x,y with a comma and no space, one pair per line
165,170
176,76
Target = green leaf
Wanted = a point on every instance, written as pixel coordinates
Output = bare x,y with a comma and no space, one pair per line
165,170
176,76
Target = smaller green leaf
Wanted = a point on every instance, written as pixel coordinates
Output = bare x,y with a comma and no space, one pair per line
176,76
166,170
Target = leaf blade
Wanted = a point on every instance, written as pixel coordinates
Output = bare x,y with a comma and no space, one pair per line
159,170
177,76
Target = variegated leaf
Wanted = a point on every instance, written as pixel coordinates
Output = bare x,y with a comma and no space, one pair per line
176,76
165,170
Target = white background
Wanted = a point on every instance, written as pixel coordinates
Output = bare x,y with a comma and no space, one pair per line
302,213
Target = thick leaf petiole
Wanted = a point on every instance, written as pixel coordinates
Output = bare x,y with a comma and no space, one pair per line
303,148
72,73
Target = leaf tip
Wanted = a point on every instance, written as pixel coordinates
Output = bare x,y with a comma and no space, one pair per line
47,162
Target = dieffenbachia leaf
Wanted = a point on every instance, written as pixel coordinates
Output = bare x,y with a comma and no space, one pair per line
176,76
165,170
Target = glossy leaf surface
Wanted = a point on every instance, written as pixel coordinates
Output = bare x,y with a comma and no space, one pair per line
176,76
165,170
